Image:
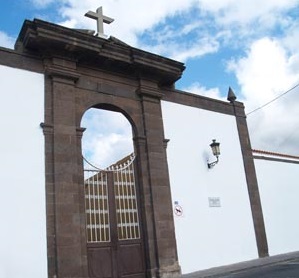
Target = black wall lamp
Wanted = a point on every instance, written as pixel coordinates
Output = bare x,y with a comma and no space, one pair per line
215,146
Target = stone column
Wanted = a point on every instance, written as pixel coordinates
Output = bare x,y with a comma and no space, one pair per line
156,186
64,182
252,184
50,200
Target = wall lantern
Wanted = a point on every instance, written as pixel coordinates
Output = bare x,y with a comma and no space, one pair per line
216,152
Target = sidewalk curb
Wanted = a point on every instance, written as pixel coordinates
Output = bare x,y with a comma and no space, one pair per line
239,267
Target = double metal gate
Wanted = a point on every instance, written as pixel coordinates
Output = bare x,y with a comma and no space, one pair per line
114,242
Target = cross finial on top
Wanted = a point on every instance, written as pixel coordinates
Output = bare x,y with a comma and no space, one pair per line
101,19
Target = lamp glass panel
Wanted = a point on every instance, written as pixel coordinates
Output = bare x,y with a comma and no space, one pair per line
215,148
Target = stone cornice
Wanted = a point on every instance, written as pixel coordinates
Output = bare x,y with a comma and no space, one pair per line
145,92
48,129
47,37
203,102
62,73
112,55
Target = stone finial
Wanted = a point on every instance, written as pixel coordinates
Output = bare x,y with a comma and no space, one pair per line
231,97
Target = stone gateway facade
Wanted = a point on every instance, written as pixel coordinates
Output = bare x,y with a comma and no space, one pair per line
81,72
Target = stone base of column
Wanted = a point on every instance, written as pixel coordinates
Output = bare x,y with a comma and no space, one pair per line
171,271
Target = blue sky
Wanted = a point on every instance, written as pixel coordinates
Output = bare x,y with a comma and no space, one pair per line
250,45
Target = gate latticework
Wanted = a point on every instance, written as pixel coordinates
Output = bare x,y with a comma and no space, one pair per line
99,202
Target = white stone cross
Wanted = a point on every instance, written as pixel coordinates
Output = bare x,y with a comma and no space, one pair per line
101,19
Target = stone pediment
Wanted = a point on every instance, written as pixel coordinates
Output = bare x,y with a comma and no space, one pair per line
48,39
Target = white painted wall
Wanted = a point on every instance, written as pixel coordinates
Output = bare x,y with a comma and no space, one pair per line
207,236
22,176
279,191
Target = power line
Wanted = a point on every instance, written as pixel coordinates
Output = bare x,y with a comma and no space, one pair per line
273,100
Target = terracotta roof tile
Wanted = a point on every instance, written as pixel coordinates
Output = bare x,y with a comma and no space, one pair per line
275,154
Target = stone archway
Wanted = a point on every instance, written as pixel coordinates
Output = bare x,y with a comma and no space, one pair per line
82,71
115,241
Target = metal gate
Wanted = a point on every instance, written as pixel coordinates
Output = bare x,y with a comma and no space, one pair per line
114,242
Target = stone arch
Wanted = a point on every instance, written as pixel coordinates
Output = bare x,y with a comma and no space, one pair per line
114,108
131,110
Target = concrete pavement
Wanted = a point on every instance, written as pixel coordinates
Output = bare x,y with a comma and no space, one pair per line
229,269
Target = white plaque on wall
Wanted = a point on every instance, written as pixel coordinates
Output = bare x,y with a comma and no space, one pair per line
214,202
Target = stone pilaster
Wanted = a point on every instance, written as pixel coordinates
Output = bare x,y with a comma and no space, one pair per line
64,183
252,184
157,194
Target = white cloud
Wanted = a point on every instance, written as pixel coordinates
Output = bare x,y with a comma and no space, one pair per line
132,16
41,3
198,89
6,41
264,73
205,23
107,139
290,40
246,11
180,52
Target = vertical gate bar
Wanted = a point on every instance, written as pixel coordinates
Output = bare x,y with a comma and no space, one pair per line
131,184
102,207
108,214
103,198
94,180
86,204
121,191
99,207
135,200
124,203
89,211
128,203
118,194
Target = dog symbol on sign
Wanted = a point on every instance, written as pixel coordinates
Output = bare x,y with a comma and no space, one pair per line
178,210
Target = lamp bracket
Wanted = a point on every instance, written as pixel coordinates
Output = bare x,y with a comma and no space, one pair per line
212,164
